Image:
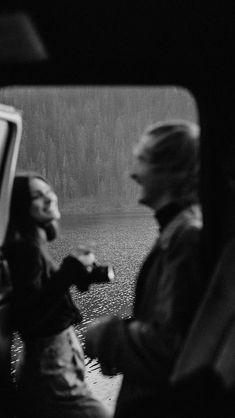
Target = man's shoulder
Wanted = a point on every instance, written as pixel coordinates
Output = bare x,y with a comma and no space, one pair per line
185,242
185,227
187,235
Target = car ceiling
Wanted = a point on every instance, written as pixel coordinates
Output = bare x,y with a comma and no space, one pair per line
99,42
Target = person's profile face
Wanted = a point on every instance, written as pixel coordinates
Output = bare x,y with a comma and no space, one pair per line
44,203
153,190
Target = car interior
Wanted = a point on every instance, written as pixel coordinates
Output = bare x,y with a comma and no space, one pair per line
159,43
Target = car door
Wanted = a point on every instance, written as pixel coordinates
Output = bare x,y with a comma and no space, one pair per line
10,136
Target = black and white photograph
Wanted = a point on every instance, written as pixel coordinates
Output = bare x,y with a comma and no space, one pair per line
117,203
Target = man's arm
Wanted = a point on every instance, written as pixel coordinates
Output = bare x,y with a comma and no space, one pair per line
148,349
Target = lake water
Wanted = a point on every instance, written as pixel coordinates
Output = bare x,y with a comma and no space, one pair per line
124,241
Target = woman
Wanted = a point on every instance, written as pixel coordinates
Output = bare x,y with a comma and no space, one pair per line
51,378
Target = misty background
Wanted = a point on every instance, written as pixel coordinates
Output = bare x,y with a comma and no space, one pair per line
81,139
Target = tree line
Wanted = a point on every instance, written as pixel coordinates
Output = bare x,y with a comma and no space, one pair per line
81,138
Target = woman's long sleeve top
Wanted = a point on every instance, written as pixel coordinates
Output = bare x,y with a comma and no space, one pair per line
41,302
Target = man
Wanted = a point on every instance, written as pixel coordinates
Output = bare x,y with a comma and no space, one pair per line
145,347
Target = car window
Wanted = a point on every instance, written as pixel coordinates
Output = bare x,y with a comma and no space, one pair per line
81,139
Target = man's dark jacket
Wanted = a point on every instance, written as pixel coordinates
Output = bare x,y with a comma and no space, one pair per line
144,348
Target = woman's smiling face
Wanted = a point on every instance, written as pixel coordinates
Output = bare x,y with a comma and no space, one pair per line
44,203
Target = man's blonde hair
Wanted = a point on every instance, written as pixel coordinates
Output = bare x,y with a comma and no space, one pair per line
172,149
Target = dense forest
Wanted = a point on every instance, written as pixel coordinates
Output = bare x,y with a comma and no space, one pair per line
81,139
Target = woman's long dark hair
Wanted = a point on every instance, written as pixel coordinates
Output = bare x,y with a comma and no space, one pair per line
20,223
